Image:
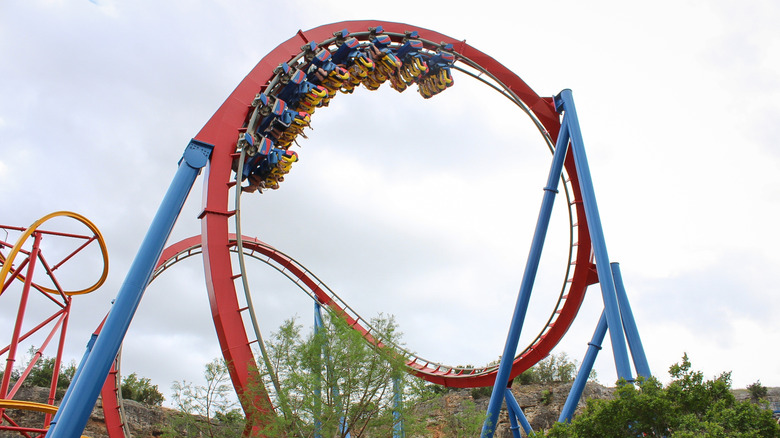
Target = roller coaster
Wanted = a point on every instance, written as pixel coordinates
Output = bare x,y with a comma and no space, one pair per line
248,148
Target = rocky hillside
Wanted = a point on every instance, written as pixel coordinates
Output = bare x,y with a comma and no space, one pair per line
144,421
541,410
541,403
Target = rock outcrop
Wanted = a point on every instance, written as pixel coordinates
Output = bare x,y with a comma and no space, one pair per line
143,421
541,404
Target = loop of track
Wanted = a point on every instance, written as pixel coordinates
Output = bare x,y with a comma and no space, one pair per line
8,261
222,131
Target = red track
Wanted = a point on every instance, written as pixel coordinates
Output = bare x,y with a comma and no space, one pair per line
222,131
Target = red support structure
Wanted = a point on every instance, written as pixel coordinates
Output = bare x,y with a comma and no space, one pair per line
222,130
17,266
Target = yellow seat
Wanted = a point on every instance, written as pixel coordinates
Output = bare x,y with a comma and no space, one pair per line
365,63
348,87
445,77
398,85
389,61
420,66
339,74
307,106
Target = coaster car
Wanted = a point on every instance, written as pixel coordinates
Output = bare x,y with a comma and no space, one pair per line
246,142
345,51
264,149
326,72
284,139
439,76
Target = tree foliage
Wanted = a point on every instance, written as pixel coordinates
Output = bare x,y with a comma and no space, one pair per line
206,410
333,382
42,371
132,387
687,407
467,422
553,368
141,390
757,391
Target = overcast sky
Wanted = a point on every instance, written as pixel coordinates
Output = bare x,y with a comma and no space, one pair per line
423,209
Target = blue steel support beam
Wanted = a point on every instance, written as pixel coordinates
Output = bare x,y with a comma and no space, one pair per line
594,346
318,386
343,426
526,285
629,325
76,375
72,416
514,426
516,411
398,421
317,317
565,103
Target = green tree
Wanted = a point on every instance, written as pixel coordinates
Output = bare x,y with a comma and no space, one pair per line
15,374
206,410
41,373
687,407
467,422
335,383
757,391
141,390
528,377
556,369
551,369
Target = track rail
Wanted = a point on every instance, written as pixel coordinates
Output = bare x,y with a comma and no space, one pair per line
231,118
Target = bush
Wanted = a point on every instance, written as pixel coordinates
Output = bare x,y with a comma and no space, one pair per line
42,372
206,410
546,397
466,423
556,369
14,376
552,369
687,407
481,392
528,377
141,390
757,391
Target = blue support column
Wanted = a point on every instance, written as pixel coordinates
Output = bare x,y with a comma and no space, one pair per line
343,426
629,324
76,375
514,426
564,102
317,317
72,416
398,421
516,411
582,375
318,388
529,275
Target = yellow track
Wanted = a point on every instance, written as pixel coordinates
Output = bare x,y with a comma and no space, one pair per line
8,260
28,406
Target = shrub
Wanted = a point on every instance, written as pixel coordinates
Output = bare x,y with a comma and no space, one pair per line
141,390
